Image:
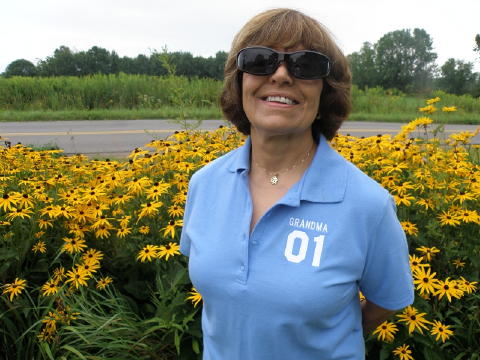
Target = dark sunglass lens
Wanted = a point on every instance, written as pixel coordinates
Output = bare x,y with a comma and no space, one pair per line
257,61
308,65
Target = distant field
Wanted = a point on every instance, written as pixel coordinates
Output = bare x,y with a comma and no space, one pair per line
173,97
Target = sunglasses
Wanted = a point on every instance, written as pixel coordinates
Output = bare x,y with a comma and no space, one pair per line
304,64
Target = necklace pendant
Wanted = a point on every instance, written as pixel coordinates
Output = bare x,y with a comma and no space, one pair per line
274,180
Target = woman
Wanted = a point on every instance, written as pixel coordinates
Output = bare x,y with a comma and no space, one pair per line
283,232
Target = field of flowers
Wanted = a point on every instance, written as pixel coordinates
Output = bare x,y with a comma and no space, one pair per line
90,266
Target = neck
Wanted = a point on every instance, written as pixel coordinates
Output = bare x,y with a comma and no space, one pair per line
280,161
277,153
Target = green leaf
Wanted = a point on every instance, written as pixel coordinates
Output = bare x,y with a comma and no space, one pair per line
75,351
195,346
45,347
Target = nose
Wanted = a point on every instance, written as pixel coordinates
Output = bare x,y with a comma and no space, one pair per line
281,75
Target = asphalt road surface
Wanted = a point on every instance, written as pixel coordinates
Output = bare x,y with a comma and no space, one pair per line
120,137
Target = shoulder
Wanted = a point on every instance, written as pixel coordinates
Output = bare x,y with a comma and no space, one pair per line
214,170
365,192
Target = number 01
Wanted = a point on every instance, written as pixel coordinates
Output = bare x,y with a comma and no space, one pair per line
298,235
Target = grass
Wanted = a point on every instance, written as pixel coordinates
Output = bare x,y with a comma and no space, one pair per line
167,112
204,113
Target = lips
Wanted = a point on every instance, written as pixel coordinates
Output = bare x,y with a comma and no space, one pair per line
282,99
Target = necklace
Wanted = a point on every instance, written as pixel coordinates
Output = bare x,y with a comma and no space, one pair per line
274,175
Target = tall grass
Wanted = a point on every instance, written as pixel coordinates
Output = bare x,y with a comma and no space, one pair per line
99,96
105,92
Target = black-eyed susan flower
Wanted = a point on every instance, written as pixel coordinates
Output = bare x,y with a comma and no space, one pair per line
8,202
416,263
50,287
73,245
194,296
92,256
149,209
170,229
441,331
467,286
424,280
15,288
77,277
413,319
428,252
447,218
123,232
145,230
103,282
409,227
447,288
458,263
39,246
168,250
148,253
386,331
403,352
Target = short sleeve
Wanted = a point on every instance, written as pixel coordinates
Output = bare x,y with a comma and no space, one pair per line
387,280
184,239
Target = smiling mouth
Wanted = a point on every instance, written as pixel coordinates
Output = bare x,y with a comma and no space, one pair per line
280,99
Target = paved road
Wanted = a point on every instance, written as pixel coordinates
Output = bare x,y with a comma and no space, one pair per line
119,137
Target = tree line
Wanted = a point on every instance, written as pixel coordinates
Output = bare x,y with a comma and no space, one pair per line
97,60
401,59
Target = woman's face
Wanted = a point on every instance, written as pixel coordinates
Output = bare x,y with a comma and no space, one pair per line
280,104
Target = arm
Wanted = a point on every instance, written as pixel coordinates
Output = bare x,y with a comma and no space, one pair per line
373,315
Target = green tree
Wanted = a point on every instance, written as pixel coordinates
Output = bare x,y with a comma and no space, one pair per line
457,77
405,60
20,67
362,65
63,62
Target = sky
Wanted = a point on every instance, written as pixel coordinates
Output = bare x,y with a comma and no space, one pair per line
33,29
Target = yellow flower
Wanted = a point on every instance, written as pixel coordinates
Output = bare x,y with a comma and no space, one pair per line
7,202
168,250
449,108
413,319
148,253
77,277
429,109
386,331
39,247
50,287
123,231
73,245
403,352
195,297
432,101
429,252
170,228
447,218
442,331
447,288
15,288
409,228
92,256
149,209
467,286
144,230
103,282
424,280
416,263
458,263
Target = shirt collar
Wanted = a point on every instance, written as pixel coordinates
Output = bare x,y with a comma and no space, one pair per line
325,180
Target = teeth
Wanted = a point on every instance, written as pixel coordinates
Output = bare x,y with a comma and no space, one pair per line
281,99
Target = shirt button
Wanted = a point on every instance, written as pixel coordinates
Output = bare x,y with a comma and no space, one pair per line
242,268
254,242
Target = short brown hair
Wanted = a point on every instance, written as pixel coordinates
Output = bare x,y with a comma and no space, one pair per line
288,28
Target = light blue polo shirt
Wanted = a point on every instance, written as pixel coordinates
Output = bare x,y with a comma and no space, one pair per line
289,290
